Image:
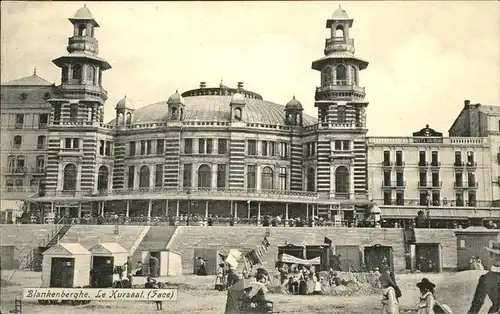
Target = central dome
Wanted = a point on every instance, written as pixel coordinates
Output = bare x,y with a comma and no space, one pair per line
213,104
84,14
340,14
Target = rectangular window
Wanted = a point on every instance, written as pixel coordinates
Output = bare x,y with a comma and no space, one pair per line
143,147
472,198
131,148
19,121
400,198
458,179
160,146
41,142
272,149
20,163
159,176
251,177
400,179
399,158
18,141
201,146
131,177
149,146
11,164
387,178
470,159
282,176
188,146
73,113
458,158
435,179
252,147
221,176
264,148
387,158
346,145
283,150
186,178
471,179
387,197
338,145
459,199
43,119
109,146
435,159
210,145
423,198
436,195
40,162
101,147
421,159
222,146
423,178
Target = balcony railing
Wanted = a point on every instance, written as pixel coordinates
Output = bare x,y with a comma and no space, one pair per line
393,184
423,164
468,185
18,125
387,163
19,189
342,86
40,146
440,203
431,184
458,164
435,164
42,125
14,170
399,164
471,164
38,170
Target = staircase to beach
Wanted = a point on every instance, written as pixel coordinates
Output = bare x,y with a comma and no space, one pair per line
186,239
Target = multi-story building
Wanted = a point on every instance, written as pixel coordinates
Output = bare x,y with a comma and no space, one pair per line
227,151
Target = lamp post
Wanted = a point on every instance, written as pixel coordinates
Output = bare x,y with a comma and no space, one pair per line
188,193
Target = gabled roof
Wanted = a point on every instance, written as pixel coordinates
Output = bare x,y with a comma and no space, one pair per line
108,248
67,249
32,80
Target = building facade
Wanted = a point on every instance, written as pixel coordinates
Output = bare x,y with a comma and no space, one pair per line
225,151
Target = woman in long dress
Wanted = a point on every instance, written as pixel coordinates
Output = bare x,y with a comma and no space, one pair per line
219,279
389,300
427,299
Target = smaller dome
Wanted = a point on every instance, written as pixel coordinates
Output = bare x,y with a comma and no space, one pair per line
84,13
125,103
176,98
294,104
238,99
340,14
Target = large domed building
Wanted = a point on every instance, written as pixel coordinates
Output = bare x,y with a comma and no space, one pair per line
221,151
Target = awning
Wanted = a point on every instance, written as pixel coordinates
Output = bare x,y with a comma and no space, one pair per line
285,258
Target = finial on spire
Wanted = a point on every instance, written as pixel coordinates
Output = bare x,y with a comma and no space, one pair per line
176,91
293,96
221,81
34,71
85,5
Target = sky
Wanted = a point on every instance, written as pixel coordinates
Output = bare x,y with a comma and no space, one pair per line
425,57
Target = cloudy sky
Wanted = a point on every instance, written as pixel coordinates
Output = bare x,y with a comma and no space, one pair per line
425,57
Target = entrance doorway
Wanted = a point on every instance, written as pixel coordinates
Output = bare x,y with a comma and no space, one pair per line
61,272
102,271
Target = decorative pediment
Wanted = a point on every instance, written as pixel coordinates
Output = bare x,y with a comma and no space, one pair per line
427,132
99,249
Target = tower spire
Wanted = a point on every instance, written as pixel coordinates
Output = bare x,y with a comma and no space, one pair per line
34,71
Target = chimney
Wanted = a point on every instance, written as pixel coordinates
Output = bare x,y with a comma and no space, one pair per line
203,84
240,85
466,103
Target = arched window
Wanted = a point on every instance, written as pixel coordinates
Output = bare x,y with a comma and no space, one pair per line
102,178
18,140
40,163
82,30
354,75
174,113
77,72
267,179
129,118
339,31
204,177
119,119
341,180
327,76
341,74
144,177
310,180
237,114
69,181
90,73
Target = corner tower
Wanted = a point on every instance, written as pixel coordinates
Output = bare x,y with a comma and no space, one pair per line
341,150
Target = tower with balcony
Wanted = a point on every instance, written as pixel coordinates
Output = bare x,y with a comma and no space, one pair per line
341,149
76,122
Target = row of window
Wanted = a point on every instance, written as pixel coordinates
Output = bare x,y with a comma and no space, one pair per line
75,71
43,119
433,198
434,158
206,146
471,178
147,147
268,148
11,183
340,78
105,148
17,142
145,176
18,163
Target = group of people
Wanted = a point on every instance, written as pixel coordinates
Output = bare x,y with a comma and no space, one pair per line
475,263
487,286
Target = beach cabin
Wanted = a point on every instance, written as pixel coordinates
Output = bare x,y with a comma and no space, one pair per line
211,257
66,265
472,241
8,257
350,256
378,255
428,257
108,253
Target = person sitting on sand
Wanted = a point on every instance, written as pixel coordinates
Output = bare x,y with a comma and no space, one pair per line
389,300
